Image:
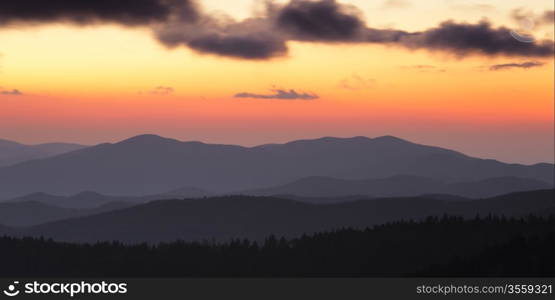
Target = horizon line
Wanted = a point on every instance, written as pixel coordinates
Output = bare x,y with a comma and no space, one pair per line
279,143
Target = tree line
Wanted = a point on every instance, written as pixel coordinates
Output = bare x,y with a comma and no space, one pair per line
436,246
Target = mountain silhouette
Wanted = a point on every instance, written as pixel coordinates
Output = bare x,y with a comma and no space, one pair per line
12,153
398,186
187,192
29,213
224,218
90,200
149,164
83,200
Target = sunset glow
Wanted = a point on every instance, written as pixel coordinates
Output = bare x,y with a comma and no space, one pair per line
97,83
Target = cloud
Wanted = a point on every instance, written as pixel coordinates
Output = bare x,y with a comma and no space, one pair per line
125,12
396,4
13,92
252,38
182,23
279,94
324,20
329,21
462,39
265,36
162,90
247,46
523,65
530,19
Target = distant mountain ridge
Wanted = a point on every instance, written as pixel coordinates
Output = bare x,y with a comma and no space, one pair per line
149,164
30,213
400,186
82,200
12,152
224,218
91,200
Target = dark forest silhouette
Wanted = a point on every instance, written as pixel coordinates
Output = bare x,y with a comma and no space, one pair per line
436,246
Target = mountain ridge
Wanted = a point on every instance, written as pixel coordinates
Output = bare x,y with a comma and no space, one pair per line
12,153
150,164
31,213
398,186
225,218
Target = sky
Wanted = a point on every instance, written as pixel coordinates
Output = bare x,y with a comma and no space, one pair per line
452,73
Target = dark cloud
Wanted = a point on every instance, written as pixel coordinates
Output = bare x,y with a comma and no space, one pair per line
329,21
127,12
382,36
464,39
324,20
523,65
13,92
249,39
182,23
248,46
162,90
279,94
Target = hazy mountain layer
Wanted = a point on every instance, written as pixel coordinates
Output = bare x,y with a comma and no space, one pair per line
149,164
31,213
224,218
398,186
12,153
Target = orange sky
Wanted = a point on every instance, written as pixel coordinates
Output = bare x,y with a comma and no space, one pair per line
94,84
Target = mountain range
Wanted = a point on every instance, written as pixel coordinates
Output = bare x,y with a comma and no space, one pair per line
12,153
38,208
400,186
30,213
88,200
83,200
150,165
224,218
